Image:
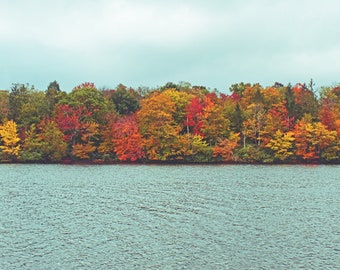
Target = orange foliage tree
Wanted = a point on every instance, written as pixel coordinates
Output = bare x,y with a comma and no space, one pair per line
225,148
329,112
127,140
158,127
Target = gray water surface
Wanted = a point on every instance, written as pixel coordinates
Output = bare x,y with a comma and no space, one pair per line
169,217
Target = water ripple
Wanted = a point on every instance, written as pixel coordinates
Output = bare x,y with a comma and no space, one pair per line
169,217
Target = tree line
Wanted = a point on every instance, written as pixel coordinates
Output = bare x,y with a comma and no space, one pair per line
172,123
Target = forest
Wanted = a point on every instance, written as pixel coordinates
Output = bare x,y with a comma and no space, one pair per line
174,123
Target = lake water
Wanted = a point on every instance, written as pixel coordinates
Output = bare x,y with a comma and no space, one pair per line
169,217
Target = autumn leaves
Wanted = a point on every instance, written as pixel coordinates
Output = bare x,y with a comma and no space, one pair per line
177,123
10,147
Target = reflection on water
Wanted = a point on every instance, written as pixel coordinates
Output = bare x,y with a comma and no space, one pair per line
173,217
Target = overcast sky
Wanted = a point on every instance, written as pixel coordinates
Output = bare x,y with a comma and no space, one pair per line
213,43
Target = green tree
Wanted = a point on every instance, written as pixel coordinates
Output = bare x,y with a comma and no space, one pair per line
31,148
290,105
88,96
170,85
54,148
239,88
34,109
53,95
126,101
4,105
27,105
237,119
17,98
44,143
305,102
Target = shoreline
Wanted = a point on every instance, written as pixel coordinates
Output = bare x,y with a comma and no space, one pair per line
100,162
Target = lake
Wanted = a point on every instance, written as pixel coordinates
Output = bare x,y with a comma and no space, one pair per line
169,217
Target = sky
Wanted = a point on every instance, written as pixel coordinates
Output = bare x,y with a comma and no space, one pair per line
213,43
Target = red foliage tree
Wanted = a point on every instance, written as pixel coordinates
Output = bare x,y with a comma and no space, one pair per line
71,121
194,116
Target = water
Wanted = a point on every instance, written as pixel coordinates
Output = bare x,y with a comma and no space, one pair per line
169,217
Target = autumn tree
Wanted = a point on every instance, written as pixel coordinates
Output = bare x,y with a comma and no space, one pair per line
9,141
181,100
252,94
215,123
198,91
158,127
253,124
314,141
327,142
106,147
303,133
329,113
305,102
80,132
127,140
275,119
282,145
225,148
70,121
194,117
271,96
85,146
194,149
176,122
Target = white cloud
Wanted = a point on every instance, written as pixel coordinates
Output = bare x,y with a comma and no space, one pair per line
113,23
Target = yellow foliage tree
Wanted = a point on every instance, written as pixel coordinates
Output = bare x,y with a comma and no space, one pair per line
314,141
10,147
216,125
82,151
158,127
282,145
181,100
